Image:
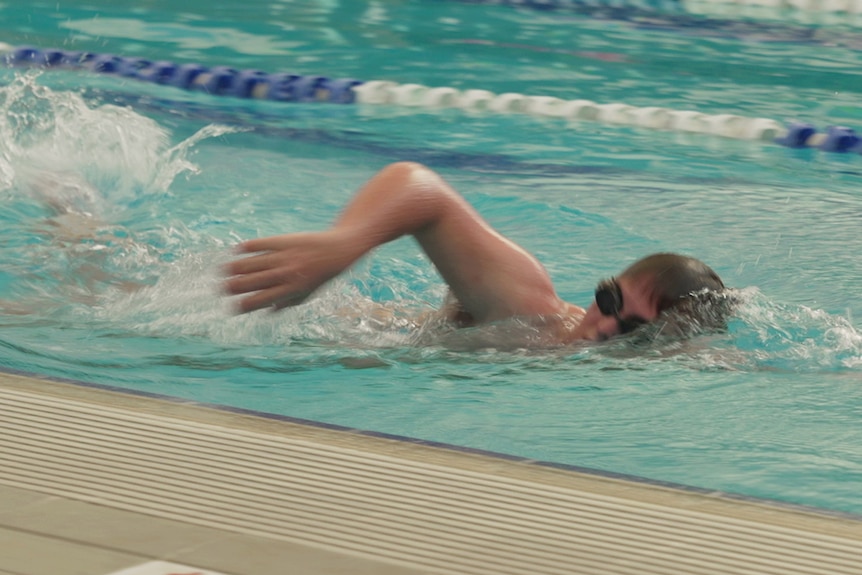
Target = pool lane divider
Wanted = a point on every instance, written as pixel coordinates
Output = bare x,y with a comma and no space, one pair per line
286,87
836,6
820,12
814,12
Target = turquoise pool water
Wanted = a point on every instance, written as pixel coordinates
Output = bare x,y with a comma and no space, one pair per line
128,295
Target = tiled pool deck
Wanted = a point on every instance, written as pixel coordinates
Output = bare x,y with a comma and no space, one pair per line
97,482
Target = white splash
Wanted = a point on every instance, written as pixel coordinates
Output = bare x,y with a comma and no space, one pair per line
79,156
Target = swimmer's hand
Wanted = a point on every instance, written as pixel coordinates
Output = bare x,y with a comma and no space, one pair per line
285,270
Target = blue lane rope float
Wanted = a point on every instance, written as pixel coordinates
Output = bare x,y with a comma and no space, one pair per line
835,139
219,80
285,87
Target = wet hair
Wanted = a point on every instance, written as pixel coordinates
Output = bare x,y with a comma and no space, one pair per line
684,287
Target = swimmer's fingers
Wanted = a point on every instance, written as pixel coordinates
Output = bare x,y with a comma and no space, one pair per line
278,287
280,277
253,264
259,245
275,243
284,270
275,251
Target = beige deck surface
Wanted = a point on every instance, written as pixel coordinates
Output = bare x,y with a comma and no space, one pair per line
94,482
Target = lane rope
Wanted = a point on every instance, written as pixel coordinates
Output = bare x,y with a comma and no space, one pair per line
286,87
817,12
813,12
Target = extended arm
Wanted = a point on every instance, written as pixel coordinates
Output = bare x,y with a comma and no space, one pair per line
492,277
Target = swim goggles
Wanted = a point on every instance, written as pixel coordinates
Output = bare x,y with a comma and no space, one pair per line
609,300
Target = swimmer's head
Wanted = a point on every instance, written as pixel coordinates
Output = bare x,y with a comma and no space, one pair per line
663,293
682,288
673,277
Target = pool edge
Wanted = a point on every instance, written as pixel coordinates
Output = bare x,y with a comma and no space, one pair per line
273,422
540,477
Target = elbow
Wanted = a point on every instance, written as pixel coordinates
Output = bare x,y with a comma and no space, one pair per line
406,171
415,180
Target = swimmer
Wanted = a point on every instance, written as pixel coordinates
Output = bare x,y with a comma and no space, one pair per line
490,278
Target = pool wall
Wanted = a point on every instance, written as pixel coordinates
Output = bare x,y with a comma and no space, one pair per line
380,504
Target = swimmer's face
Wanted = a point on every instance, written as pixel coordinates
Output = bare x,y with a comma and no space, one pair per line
620,306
